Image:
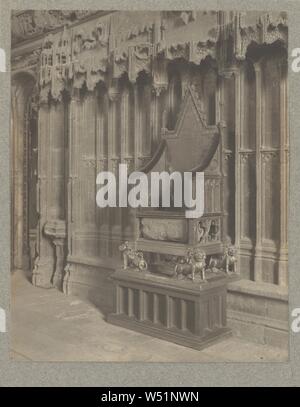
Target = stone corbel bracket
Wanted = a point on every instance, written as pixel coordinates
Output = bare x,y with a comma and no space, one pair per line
56,231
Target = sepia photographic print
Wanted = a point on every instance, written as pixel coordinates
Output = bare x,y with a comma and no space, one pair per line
149,186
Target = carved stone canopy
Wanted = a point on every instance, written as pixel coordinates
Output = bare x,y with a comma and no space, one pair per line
104,44
191,145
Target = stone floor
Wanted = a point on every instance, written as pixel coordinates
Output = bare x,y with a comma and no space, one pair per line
49,326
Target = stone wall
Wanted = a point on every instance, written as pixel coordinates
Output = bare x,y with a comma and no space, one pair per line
103,85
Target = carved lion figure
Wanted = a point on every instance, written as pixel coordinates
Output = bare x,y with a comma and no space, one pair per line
193,263
132,258
199,262
226,263
230,259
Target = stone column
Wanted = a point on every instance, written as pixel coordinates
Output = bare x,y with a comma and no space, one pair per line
148,129
72,186
18,133
284,172
114,157
137,126
238,129
226,157
159,87
143,114
44,262
127,157
51,185
259,191
22,87
156,113
102,217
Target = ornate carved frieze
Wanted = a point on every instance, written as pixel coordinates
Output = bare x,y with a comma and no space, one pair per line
119,43
29,23
125,42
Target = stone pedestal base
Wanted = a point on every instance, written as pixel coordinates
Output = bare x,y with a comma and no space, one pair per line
191,314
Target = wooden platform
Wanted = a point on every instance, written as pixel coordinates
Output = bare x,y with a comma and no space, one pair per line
191,314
